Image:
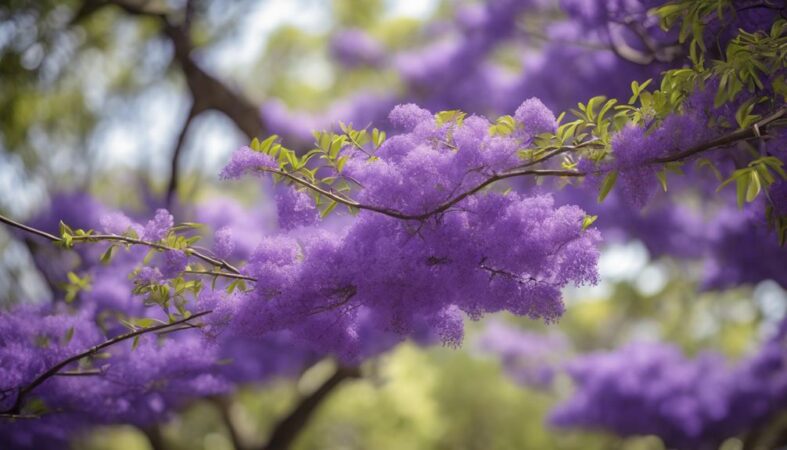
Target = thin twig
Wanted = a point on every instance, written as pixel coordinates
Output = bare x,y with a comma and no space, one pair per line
220,274
739,135
125,239
174,171
80,373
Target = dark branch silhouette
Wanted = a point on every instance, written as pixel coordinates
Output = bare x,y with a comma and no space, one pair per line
286,430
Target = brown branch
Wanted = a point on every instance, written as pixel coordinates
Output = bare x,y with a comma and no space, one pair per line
436,210
29,229
155,437
223,407
210,93
286,431
80,373
53,370
220,274
174,170
207,91
129,240
754,131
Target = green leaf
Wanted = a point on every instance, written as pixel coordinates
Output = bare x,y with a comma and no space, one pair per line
705,162
742,186
65,229
73,278
328,208
587,221
35,406
454,116
340,163
504,126
755,186
378,137
106,257
68,336
607,184
265,146
662,176
775,164
145,322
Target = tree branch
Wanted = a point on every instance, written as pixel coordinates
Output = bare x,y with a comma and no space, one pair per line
210,93
155,437
287,430
755,131
52,371
129,240
223,407
174,170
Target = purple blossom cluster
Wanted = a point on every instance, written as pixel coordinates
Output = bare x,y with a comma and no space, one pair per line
530,359
428,246
577,58
400,275
653,389
354,47
135,383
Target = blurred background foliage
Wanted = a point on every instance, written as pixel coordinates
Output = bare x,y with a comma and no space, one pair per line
95,96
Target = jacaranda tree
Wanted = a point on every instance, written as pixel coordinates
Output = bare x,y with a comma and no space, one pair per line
473,190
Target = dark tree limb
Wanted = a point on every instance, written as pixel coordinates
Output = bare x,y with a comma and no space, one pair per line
207,91
174,171
223,407
155,437
286,431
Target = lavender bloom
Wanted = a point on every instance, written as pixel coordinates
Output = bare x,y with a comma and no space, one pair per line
354,47
530,359
223,245
317,284
118,223
695,403
245,160
295,208
157,227
535,117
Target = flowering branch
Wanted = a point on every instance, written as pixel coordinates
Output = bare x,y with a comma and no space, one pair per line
755,131
220,263
55,369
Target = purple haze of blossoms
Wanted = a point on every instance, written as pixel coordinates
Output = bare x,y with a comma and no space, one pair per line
400,275
575,61
140,385
694,403
354,47
530,359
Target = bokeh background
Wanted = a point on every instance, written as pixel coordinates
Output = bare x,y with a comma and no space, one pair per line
100,99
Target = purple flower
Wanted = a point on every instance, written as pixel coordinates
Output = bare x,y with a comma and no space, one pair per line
536,117
223,245
246,160
157,228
